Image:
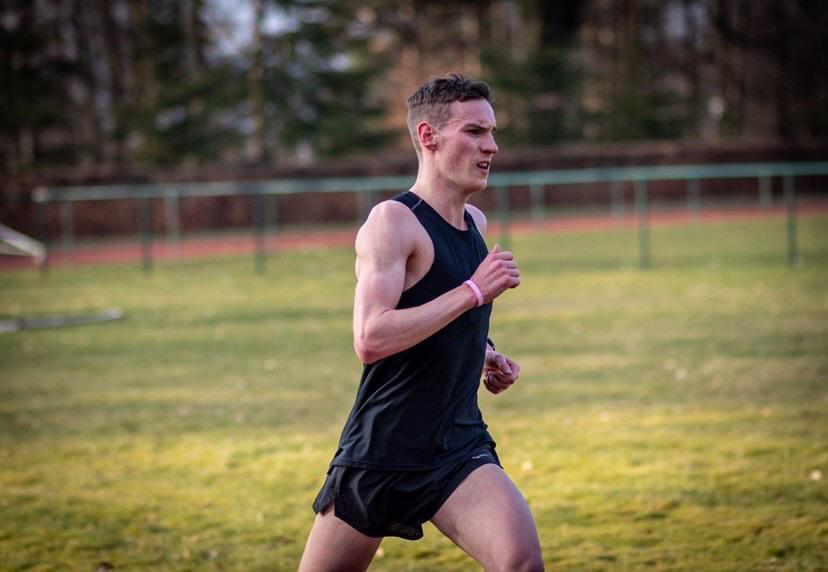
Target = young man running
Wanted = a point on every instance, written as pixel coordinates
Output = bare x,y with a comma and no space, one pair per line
415,447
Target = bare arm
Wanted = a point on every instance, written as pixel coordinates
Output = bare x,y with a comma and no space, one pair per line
383,246
500,372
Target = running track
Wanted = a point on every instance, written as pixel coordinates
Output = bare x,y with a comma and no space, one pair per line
237,244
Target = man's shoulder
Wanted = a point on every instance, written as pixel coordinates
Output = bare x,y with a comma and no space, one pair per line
391,208
389,221
390,216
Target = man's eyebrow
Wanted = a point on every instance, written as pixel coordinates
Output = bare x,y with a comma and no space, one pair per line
474,125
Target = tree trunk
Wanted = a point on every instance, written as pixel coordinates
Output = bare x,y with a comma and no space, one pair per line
258,149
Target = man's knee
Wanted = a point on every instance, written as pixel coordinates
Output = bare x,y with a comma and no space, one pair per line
521,559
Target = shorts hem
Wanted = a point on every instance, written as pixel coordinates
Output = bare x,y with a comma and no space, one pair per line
462,475
377,521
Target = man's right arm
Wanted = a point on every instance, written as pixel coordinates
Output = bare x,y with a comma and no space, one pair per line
383,247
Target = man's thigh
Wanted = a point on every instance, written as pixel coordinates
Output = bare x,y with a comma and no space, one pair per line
333,544
489,519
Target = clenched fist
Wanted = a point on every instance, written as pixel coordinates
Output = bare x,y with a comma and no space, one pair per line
496,273
499,372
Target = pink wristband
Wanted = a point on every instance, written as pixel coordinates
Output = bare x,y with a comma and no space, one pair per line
476,289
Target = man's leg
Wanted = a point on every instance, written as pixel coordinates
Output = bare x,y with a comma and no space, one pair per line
334,545
489,519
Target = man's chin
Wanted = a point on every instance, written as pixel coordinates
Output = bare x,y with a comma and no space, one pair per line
473,184
479,180
480,184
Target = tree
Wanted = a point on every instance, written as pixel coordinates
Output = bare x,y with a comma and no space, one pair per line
319,81
535,71
31,74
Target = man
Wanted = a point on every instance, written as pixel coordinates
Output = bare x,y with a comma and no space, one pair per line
415,447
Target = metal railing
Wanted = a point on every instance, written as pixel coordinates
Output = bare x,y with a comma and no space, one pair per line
368,187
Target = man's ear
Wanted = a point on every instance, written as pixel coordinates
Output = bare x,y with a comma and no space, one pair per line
427,136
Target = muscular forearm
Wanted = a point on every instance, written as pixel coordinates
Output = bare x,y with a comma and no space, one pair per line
387,332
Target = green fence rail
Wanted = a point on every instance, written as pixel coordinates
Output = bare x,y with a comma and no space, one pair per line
368,187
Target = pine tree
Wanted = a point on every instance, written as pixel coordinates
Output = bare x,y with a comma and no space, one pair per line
320,93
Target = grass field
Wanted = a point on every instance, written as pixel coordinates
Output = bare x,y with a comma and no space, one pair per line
671,419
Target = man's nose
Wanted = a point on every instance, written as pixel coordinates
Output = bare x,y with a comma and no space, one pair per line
489,145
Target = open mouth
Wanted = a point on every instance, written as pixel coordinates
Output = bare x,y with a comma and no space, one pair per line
484,165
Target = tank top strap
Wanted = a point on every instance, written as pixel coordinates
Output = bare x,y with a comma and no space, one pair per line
409,199
469,220
412,201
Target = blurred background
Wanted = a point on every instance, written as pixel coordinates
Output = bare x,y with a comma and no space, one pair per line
131,91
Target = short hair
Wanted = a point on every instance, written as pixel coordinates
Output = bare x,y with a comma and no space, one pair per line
431,101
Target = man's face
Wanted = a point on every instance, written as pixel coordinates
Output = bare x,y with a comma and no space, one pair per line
466,145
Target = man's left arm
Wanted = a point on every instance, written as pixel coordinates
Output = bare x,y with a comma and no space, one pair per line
499,371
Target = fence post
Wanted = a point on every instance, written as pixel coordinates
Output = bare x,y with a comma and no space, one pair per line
271,213
790,203
42,226
67,230
765,193
145,223
643,208
617,201
257,200
693,198
536,195
171,208
504,217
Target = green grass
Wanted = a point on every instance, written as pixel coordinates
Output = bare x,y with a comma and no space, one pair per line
672,419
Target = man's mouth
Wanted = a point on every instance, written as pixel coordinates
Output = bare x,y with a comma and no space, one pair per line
484,165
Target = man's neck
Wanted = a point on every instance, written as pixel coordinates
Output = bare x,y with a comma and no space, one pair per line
449,202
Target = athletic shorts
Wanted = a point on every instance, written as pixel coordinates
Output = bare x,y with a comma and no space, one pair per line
396,503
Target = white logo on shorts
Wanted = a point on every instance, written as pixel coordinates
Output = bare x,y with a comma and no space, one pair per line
479,456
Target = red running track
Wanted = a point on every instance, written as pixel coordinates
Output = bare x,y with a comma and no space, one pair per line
237,244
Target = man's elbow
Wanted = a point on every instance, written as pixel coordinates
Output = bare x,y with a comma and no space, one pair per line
367,349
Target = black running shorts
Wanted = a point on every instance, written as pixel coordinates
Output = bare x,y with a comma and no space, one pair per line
396,503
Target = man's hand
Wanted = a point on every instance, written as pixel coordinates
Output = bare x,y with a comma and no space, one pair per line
499,372
496,273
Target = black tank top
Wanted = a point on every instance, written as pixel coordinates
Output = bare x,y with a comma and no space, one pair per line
417,409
